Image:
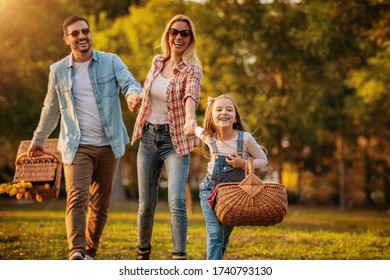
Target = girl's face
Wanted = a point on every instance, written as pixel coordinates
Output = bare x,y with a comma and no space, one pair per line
223,113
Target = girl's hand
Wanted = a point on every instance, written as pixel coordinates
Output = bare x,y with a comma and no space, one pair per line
236,161
189,127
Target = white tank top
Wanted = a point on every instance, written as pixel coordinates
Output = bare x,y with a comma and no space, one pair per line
158,101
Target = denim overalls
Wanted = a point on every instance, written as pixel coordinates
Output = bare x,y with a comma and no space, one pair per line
217,233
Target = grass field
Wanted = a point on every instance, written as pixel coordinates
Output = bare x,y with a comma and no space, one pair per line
31,231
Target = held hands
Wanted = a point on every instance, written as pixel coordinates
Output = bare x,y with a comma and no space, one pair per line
236,161
133,101
189,127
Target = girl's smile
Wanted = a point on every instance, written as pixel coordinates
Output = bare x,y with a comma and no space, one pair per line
223,114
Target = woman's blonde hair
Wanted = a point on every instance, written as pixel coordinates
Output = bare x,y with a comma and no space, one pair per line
189,56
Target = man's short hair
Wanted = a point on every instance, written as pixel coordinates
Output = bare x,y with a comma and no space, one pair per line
70,20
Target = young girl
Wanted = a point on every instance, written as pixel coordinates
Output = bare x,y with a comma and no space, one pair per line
230,144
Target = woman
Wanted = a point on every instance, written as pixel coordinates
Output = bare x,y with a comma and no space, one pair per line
165,127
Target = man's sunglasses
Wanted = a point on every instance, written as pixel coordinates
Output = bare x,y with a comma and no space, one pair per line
76,33
183,33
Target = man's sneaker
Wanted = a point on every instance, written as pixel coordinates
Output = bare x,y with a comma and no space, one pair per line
88,258
143,254
76,256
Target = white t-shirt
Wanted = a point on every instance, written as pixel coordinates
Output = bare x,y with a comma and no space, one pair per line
250,148
158,101
91,128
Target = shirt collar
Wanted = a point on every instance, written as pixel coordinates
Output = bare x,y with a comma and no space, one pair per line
161,59
70,60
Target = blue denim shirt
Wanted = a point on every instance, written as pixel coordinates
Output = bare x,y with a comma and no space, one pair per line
109,76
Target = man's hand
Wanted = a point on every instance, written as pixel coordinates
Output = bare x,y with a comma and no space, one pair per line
133,101
35,151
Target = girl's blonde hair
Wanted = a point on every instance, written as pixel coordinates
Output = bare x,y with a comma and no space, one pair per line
209,129
189,56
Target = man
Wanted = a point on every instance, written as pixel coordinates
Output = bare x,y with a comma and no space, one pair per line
83,90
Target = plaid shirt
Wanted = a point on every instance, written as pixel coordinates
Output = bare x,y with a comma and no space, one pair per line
184,84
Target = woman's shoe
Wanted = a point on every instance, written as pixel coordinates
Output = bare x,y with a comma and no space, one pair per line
143,254
179,256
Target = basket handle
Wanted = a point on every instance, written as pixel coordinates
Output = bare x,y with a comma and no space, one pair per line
251,184
251,169
25,155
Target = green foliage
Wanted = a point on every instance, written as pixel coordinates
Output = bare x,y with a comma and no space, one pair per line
113,8
372,81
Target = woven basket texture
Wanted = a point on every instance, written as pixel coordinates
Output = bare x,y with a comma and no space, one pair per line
42,170
251,202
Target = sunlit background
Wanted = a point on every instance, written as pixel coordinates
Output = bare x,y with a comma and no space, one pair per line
311,79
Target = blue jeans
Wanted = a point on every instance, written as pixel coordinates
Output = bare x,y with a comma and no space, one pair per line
217,233
155,151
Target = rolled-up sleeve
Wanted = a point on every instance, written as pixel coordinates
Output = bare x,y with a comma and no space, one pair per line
193,85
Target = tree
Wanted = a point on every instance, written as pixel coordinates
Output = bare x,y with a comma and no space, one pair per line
32,40
345,41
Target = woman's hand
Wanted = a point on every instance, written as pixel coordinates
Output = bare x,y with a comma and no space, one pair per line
190,121
236,161
189,127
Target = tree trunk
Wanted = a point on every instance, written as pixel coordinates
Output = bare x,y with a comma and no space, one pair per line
341,167
299,183
118,191
280,155
367,177
280,163
387,186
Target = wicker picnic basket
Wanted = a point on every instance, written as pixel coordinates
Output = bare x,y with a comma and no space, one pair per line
251,202
42,170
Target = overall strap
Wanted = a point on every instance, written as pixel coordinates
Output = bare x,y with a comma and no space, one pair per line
240,142
213,145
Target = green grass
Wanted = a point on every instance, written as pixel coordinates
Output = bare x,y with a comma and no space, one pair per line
31,231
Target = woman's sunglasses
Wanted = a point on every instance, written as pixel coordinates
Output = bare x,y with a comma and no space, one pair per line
184,33
76,33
